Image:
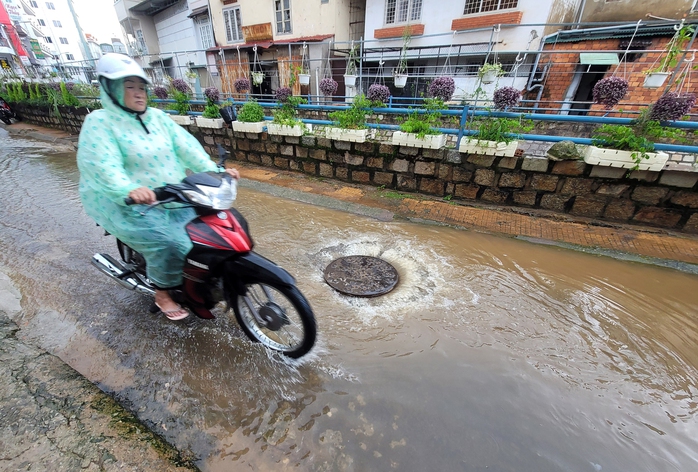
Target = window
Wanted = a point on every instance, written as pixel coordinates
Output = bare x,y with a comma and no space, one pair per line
70,57
283,16
481,6
33,4
50,6
402,11
48,39
41,22
63,40
57,24
233,25
205,31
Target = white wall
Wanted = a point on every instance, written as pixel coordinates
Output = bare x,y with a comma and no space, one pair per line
67,30
437,16
176,33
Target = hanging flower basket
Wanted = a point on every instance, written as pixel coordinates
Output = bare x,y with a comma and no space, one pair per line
328,86
242,84
257,77
400,80
489,77
655,79
304,79
610,91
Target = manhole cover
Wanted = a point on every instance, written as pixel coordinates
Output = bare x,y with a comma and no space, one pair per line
361,276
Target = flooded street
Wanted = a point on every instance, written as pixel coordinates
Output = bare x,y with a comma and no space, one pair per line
491,353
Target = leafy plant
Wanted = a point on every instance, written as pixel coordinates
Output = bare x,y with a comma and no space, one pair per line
181,105
68,98
672,106
282,94
673,48
442,88
610,91
506,97
328,86
495,67
211,110
500,130
401,68
638,137
423,124
288,112
355,116
242,84
378,94
352,61
251,112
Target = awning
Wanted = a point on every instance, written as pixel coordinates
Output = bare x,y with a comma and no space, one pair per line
598,58
198,11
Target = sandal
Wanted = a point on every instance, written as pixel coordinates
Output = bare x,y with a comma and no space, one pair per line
177,314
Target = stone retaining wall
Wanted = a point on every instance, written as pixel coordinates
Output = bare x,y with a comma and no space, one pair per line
667,199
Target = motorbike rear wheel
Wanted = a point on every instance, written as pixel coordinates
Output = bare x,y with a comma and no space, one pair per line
277,316
7,121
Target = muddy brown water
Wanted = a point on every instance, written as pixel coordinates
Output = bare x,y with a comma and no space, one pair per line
491,353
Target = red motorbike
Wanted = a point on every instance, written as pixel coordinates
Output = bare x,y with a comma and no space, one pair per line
222,267
6,113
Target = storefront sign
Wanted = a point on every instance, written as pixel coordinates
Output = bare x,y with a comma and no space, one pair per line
36,49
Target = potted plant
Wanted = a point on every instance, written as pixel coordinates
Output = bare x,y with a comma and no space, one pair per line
242,84
506,97
191,76
250,118
656,76
328,86
672,106
442,88
419,129
400,72
350,124
610,91
211,117
488,73
180,92
378,95
496,136
257,77
351,69
286,122
631,147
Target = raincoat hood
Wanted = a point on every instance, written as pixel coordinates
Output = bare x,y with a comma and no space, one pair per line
113,101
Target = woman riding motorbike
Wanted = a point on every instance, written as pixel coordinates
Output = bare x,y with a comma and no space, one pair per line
127,149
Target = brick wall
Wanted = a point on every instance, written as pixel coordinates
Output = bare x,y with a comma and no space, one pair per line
564,65
667,199
482,21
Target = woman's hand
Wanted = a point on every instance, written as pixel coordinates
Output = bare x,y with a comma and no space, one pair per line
143,195
233,173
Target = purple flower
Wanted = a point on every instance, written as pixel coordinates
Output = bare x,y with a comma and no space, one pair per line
54,85
212,94
442,87
328,86
160,92
378,93
282,94
242,84
181,86
506,97
672,106
610,91
69,86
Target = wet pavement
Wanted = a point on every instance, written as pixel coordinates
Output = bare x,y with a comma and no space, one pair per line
491,353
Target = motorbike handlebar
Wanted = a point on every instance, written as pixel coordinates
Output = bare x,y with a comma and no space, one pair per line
160,194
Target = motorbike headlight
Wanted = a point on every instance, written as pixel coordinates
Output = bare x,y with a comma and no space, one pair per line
218,198
198,198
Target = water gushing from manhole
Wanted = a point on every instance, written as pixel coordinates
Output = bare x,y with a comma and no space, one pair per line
361,276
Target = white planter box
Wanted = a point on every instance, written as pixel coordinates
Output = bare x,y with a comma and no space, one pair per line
256,127
429,141
202,122
341,134
624,159
184,120
285,130
473,146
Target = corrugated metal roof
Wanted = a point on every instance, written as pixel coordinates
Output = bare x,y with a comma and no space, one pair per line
625,31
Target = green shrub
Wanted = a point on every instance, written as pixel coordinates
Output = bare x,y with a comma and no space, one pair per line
181,105
500,130
212,111
251,112
423,124
355,116
288,112
68,98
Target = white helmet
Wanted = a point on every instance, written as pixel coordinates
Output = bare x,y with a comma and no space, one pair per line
115,66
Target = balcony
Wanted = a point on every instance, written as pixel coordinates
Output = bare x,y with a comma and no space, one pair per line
151,7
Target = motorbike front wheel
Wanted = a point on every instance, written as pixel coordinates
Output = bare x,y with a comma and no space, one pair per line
279,317
7,121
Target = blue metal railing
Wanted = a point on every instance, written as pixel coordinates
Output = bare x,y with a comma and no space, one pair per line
465,112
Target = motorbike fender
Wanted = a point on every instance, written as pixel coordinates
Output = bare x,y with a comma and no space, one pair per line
252,266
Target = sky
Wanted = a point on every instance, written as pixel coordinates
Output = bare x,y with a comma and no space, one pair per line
98,18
